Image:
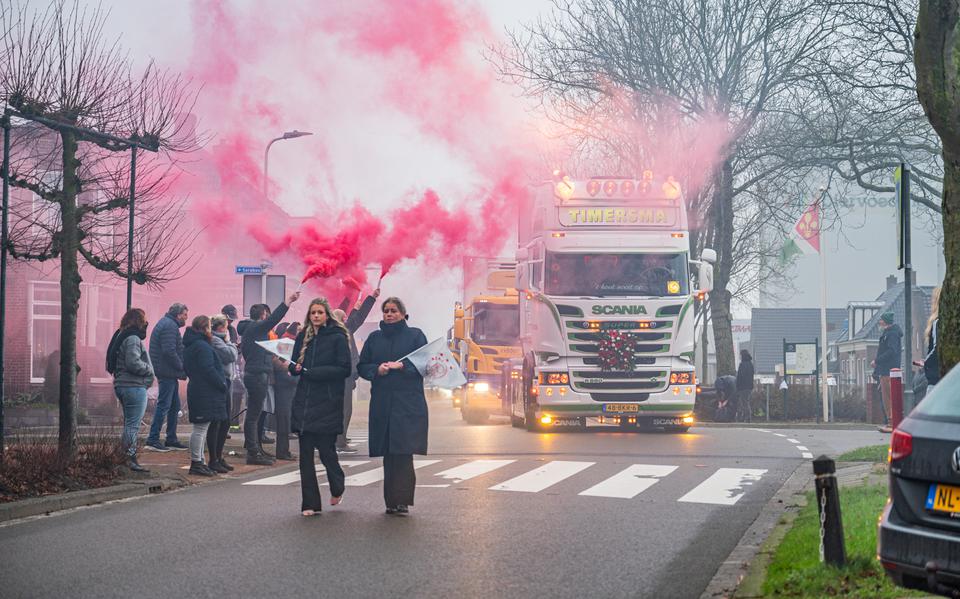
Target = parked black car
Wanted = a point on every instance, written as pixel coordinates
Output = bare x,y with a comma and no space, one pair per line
919,536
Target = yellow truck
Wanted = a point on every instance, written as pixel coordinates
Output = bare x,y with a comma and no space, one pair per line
485,334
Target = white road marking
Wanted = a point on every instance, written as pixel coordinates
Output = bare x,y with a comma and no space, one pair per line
630,482
292,477
724,487
469,470
794,441
802,448
546,476
432,486
371,476
807,455
779,435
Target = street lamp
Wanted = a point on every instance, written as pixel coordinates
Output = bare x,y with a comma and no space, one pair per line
266,153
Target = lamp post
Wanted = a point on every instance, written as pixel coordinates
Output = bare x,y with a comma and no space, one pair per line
5,121
266,183
266,154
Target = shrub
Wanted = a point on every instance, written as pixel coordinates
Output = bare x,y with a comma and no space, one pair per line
30,466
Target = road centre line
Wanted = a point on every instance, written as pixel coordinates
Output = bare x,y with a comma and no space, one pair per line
794,441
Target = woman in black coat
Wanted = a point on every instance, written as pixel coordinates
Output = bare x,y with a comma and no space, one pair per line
322,361
398,408
206,388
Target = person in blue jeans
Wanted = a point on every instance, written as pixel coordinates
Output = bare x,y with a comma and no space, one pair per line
166,353
129,363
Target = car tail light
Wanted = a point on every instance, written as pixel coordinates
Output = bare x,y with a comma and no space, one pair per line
901,444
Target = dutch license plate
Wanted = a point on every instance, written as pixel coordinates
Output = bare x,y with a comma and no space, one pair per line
944,498
620,408
667,421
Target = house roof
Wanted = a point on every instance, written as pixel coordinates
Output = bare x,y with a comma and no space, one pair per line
770,326
893,300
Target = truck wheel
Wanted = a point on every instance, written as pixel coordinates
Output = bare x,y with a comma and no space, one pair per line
516,421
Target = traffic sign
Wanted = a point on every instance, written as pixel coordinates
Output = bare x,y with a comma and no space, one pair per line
249,270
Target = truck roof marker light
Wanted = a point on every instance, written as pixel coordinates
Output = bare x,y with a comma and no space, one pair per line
593,188
557,235
610,188
677,235
648,175
627,188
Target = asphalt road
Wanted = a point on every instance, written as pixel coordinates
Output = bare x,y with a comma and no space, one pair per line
501,512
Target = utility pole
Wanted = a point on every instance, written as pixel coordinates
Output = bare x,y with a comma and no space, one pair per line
5,173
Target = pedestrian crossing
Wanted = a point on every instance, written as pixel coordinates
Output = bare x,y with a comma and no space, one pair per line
722,487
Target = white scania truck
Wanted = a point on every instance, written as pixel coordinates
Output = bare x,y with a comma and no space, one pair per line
606,306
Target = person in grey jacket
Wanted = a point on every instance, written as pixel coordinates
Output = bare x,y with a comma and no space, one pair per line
129,363
228,354
166,353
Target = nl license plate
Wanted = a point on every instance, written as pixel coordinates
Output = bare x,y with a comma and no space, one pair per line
944,498
620,408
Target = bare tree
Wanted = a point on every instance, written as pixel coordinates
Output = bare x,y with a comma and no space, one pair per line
76,97
735,60
937,62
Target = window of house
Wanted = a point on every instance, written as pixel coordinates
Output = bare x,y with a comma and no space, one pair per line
43,329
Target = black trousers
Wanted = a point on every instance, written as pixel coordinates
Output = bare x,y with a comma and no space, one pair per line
309,487
399,479
283,406
347,414
256,385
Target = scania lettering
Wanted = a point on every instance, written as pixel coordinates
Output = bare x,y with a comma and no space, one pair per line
606,293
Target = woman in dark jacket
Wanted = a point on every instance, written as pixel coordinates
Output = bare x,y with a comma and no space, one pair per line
322,363
398,408
744,386
206,388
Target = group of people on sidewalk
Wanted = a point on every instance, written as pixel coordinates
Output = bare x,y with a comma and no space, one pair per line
312,393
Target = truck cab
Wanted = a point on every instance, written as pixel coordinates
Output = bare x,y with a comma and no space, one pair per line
606,298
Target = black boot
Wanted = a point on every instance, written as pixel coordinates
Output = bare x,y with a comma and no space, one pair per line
224,463
200,469
134,465
255,458
217,467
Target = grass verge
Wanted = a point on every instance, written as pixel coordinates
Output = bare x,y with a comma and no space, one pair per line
870,453
796,571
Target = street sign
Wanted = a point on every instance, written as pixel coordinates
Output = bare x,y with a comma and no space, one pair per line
800,358
249,270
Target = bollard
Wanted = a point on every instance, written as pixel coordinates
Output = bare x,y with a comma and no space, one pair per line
832,549
896,397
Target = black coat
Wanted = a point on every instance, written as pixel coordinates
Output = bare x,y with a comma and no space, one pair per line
398,408
206,383
745,375
318,402
256,360
889,349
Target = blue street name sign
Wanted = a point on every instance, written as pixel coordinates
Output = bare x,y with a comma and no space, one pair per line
249,270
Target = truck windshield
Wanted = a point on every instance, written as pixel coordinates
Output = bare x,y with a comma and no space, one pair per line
496,324
598,275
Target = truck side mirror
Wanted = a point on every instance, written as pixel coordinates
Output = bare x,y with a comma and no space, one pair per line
458,325
705,277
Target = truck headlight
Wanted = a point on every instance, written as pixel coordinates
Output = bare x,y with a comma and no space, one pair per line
481,387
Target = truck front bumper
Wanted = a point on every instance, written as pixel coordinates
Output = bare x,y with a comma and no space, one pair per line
659,409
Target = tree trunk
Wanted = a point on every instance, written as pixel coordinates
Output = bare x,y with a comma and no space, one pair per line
69,300
721,315
948,329
937,60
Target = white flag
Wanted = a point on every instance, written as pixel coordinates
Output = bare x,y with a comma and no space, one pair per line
282,348
437,366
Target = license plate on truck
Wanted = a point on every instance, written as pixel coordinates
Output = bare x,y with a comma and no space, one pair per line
945,499
620,408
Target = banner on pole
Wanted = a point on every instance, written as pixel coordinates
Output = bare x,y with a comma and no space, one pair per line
438,368
282,348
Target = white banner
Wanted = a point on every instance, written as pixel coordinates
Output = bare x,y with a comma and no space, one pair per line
437,366
282,348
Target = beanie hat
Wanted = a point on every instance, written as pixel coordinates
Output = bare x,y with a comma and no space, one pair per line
887,317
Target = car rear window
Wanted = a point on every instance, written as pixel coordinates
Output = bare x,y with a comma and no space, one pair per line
943,400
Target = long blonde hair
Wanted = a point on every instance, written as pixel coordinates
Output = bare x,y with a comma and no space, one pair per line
934,310
309,332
